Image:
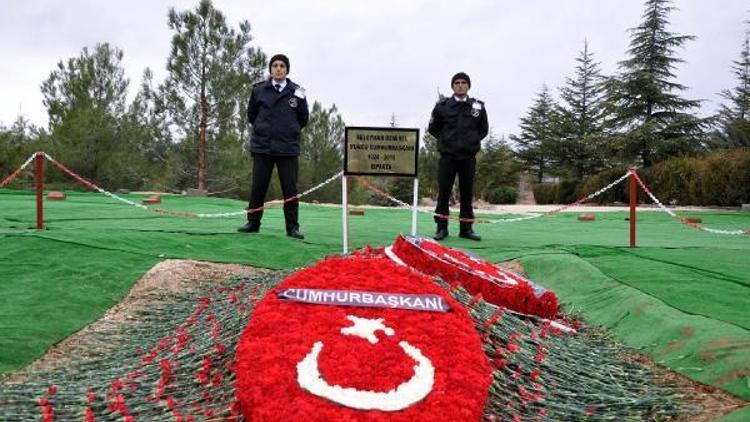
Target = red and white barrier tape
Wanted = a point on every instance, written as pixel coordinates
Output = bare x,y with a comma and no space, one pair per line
18,171
368,185
503,220
180,213
683,220
284,201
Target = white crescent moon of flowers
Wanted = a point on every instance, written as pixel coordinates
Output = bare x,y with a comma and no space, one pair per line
403,396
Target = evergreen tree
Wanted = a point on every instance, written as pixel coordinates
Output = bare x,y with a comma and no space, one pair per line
429,157
735,115
85,99
146,139
496,171
399,187
654,117
16,145
582,115
321,144
539,134
211,68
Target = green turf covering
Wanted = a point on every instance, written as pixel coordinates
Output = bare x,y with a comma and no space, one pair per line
742,415
682,296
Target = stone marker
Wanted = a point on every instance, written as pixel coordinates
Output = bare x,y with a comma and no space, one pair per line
587,216
356,211
153,199
55,195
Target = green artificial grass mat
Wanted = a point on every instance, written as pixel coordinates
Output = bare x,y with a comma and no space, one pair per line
51,289
680,297
742,415
709,350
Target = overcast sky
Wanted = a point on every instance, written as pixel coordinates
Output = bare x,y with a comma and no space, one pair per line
377,58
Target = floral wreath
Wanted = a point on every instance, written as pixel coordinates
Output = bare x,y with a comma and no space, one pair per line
479,277
302,361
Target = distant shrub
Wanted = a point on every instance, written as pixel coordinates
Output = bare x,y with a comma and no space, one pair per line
502,195
720,179
567,191
675,180
724,178
546,193
618,193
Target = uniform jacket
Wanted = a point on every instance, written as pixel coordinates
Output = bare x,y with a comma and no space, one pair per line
459,126
277,118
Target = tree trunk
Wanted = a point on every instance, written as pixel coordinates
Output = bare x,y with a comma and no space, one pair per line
202,142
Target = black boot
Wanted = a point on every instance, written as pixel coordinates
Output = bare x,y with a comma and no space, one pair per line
441,233
295,233
469,234
250,227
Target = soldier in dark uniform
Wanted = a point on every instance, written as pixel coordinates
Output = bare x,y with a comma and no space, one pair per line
459,123
278,112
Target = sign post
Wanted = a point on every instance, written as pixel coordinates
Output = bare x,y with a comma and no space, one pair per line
39,165
633,205
376,151
345,213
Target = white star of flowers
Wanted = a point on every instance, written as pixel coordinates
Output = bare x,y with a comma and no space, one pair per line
366,327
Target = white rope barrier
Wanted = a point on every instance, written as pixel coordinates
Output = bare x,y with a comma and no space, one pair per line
183,214
674,215
380,192
505,220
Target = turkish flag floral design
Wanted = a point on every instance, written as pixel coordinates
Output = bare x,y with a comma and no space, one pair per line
294,362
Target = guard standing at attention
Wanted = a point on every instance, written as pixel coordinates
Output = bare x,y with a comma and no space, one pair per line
278,111
459,123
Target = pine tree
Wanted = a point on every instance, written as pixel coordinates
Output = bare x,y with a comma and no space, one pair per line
146,139
85,99
321,145
429,157
654,117
211,69
539,134
583,116
735,116
497,171
16,145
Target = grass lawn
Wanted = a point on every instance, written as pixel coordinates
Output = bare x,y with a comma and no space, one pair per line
681,297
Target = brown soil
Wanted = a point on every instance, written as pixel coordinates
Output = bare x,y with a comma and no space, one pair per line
712,401
515,266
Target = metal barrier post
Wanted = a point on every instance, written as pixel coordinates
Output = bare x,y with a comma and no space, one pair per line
633,203
415,202
345,214
39,163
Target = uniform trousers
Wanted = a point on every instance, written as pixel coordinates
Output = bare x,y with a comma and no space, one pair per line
262,170
448,168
